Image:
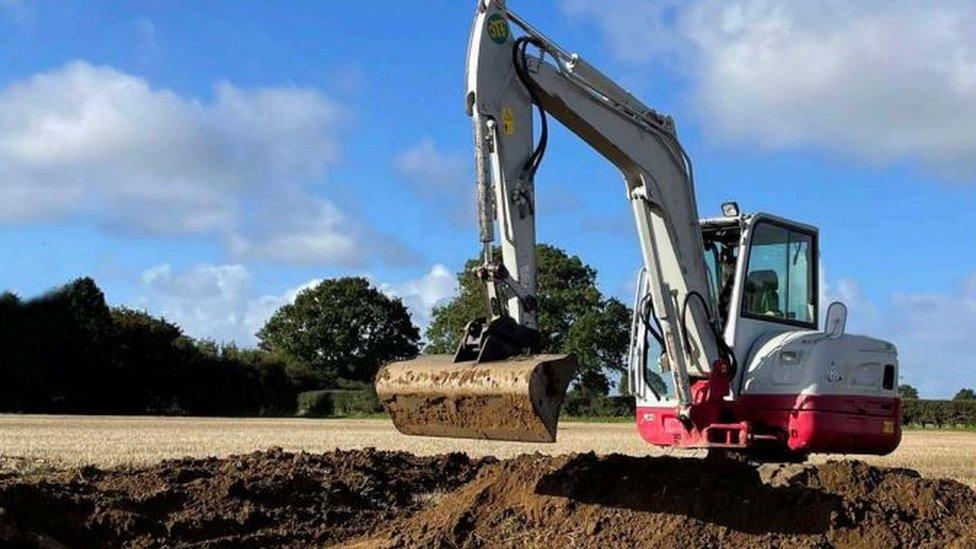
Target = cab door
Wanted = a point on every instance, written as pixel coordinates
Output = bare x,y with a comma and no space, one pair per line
777,286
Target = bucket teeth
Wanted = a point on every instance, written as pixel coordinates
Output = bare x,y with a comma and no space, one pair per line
516,399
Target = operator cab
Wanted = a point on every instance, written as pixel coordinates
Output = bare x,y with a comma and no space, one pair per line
763,279
764,269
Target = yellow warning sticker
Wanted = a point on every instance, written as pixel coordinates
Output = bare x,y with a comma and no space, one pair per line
508,121
888,427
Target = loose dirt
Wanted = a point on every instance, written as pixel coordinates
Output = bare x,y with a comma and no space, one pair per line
263,499
372,498
590,501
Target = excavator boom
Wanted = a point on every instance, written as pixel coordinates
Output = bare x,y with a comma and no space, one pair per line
495,386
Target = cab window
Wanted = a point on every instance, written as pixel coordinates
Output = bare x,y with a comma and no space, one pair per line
780,281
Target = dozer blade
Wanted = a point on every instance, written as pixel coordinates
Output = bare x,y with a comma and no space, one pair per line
514,399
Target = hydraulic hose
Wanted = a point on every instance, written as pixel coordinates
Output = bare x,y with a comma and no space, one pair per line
520,61
724,350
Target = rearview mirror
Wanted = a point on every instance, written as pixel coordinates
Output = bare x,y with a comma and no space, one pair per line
836,320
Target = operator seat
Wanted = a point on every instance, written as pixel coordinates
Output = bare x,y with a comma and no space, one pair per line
762,293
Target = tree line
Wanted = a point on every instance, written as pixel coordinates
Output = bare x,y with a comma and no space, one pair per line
68,351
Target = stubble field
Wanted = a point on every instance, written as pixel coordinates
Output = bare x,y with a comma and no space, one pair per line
38,442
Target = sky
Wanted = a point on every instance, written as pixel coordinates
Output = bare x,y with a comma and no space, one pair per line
206,161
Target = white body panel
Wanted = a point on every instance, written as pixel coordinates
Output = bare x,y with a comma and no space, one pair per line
811,363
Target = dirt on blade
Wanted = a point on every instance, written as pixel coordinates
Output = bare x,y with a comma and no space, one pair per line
590,501
270,499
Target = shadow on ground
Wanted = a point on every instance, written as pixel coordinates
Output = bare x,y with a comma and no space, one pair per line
717,491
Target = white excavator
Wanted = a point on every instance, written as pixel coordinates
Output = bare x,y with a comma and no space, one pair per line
731,301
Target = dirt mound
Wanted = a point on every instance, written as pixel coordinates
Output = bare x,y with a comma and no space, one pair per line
270,498
371,498
611,501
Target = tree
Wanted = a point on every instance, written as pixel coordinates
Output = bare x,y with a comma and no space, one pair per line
906,391
965,394
342,328
573,316
67,351
599,341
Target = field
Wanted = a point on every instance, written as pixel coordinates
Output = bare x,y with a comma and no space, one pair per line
74,480
62,441
33,441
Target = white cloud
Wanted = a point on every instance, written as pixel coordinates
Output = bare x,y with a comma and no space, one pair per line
211,301
311,235
207,301
92,142
422,294
443,180
886,81
637,31
220,302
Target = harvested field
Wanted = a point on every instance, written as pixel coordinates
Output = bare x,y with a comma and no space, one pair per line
41,443
370,498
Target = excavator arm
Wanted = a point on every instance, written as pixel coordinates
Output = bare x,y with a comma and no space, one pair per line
508,76
504,80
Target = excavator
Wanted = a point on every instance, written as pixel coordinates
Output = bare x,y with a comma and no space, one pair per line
730,303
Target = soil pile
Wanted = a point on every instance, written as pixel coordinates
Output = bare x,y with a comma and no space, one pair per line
370,498
264,499
617,501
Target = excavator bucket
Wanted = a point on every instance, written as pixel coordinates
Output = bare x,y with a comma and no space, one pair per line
514,399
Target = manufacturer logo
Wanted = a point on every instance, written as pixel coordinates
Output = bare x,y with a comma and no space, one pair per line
497,28
508,121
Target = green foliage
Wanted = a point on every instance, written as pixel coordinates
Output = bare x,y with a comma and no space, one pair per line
906,391
586,404
342,328
448,321
939,413
337,402
965,394
599,340
623,385
573,316
56,351
67,351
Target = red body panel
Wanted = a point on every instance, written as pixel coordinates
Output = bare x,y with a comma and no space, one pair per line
801,423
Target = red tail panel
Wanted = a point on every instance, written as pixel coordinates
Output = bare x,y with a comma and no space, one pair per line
801,423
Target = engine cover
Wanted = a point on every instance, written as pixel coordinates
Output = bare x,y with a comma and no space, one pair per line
799,391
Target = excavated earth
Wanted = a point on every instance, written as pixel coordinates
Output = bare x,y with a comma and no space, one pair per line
263,499
371,498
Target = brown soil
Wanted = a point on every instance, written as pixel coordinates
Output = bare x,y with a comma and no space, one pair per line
621,501
263,499
371,498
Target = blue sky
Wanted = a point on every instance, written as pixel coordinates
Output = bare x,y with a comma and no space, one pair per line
205,161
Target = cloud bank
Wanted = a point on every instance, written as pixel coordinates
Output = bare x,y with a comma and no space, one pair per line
220,302
246,168
880,81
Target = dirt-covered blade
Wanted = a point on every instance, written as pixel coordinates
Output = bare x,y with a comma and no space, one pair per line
515,399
